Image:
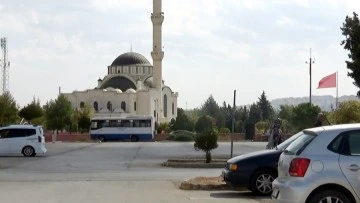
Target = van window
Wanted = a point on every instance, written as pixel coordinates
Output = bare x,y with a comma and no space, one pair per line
300,144
4,133
21,132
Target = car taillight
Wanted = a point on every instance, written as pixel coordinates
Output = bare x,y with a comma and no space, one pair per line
39,138
298,167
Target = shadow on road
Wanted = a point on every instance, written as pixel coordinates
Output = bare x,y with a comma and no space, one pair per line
237,195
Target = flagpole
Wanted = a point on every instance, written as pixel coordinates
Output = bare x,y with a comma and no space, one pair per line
337,90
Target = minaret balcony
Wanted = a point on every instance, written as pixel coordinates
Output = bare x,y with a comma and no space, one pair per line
157,19
157,55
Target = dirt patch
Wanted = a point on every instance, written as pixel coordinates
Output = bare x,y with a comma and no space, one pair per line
205,183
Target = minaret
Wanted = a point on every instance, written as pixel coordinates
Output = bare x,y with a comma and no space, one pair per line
157,18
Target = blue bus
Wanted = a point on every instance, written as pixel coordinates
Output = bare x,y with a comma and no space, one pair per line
134,128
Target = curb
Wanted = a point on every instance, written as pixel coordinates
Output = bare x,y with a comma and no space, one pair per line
194,165
197,160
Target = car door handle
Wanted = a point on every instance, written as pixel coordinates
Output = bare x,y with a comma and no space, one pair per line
353,167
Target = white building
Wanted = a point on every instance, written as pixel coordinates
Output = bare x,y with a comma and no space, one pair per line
133,86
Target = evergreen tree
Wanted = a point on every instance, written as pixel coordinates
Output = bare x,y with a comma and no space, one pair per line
267,111
351,31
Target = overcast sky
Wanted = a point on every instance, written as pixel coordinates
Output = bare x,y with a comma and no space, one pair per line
211,46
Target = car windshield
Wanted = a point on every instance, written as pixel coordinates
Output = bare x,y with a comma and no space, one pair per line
287,142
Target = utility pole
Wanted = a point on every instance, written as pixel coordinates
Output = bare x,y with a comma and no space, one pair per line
233,126
5,67
310,62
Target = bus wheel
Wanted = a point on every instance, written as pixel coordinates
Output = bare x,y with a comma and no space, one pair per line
134,138
101,139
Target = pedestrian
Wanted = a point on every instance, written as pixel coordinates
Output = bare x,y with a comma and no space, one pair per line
320,120
275,134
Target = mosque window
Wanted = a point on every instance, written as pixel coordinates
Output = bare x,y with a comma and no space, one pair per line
165,105
137,70
82,104
134,106
109,106
173,108
96,106
123,106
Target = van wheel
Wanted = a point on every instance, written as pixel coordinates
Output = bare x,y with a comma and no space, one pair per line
134,138
101,139
28,151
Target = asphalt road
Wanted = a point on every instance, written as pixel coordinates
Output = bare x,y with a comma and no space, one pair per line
112,172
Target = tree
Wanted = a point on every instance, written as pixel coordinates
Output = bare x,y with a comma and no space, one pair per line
58,113
304,115
347,112
84,118
182,122
32,111
210,107
206,139
8,109
254,114
286,112
351,31
267,111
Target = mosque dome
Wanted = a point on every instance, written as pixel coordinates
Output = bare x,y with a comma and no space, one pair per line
130,91
130,58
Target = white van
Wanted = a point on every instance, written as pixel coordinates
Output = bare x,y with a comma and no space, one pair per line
28,140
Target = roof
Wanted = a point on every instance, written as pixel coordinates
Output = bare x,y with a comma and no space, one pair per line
337,127
130,58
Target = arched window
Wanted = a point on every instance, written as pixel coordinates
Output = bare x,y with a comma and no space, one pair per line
96,106
82,104
134,106
123,106
109,106
165,105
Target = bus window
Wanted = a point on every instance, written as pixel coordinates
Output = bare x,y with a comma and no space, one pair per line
127,123
115,123
94,125
137,123
148,123
105,123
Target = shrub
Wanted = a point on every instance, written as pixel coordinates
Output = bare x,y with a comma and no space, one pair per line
224,130
181,137
206,139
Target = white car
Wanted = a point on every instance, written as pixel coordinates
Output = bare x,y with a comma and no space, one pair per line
28,140
322,165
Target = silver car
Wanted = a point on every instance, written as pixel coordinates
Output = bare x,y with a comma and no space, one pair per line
322,165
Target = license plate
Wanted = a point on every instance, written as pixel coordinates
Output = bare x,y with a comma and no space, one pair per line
275,193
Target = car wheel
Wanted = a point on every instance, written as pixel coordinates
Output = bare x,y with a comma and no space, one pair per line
261,182
134,138
330,196
28,151
101,139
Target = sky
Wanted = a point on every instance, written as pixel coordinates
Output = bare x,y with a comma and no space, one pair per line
212,47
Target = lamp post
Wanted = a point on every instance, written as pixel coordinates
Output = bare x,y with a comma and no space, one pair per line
233,127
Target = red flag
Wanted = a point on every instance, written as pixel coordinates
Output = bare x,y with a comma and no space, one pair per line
328,81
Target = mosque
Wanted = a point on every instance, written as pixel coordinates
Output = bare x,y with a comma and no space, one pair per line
133,86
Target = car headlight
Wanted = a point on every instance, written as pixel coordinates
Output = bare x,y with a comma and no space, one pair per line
233,167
